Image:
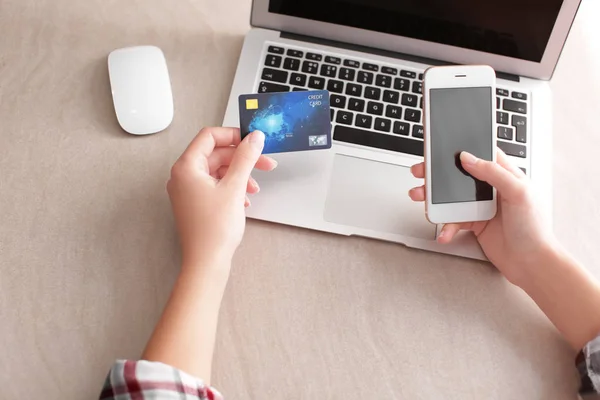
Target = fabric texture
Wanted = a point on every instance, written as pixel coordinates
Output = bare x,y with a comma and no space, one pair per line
588,365
145,380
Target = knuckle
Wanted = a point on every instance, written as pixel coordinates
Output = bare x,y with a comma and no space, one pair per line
178,170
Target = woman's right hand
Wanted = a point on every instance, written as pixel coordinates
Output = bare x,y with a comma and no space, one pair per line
517,236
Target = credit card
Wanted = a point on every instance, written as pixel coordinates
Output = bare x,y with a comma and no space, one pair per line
292,121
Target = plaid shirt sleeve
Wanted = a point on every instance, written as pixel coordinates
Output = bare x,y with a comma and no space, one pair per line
588,366
145,380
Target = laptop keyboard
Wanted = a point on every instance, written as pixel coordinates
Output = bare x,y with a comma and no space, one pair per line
377,105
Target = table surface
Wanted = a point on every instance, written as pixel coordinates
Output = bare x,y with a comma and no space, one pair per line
88,250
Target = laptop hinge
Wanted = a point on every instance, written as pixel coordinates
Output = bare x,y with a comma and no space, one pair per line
379,52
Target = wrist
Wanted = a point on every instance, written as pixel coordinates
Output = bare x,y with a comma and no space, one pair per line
539,262
214,265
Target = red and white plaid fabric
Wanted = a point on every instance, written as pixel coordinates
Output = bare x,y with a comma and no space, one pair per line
145,380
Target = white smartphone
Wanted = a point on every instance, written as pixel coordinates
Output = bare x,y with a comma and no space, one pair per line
459,116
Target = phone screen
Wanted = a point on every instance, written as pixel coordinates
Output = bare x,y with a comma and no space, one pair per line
460,120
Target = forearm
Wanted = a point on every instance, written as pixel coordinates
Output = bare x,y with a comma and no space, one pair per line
567,294
185,334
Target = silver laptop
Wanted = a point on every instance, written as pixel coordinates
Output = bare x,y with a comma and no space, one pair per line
371,56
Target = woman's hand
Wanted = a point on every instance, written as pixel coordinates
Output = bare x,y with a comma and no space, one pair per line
517,235
208,189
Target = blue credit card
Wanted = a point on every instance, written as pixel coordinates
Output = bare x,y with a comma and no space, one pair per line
292,121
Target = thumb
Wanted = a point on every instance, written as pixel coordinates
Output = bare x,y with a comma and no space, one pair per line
507,184
245,157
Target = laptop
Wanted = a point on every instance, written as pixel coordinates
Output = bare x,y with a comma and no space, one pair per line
371,56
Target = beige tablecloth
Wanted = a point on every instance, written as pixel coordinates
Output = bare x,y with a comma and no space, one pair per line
88,251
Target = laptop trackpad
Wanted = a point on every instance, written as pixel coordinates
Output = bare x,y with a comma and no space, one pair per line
374,195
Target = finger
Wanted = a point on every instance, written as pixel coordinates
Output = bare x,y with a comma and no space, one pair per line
252,186
207,139
448,232
506,163
243,161
417,193
418,170
223,155
500,178
247,202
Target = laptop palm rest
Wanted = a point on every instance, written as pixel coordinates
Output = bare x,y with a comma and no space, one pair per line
374,195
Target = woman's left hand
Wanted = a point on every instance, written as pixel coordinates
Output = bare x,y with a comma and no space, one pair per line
208,188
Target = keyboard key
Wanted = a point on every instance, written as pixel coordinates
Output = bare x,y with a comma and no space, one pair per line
383,80
275,49
421,102
332,113
504,132
329,70
337,101
412,115
512,149
273,61
498,102
365,77
295,53
382,124
417,131
371,67
267,87
520,123
401,128
408,74
364,121
402,84
501,92
356,105
310,67
298,79
292,64
344,117
390,96
372,93
417,87
314,56
393,112
353,89
333,60
274,75
335,86
375,108
515,106
502,117
347,74
362,137
410,100
316,82
519,95
421,76
351,63
297,89
389,70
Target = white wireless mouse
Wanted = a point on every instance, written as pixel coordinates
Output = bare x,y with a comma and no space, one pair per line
141,89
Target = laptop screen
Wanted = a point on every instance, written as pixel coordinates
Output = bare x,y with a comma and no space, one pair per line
513,28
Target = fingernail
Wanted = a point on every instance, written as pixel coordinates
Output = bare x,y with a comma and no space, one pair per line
257,138
274,163
442,234
255,185
468,158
